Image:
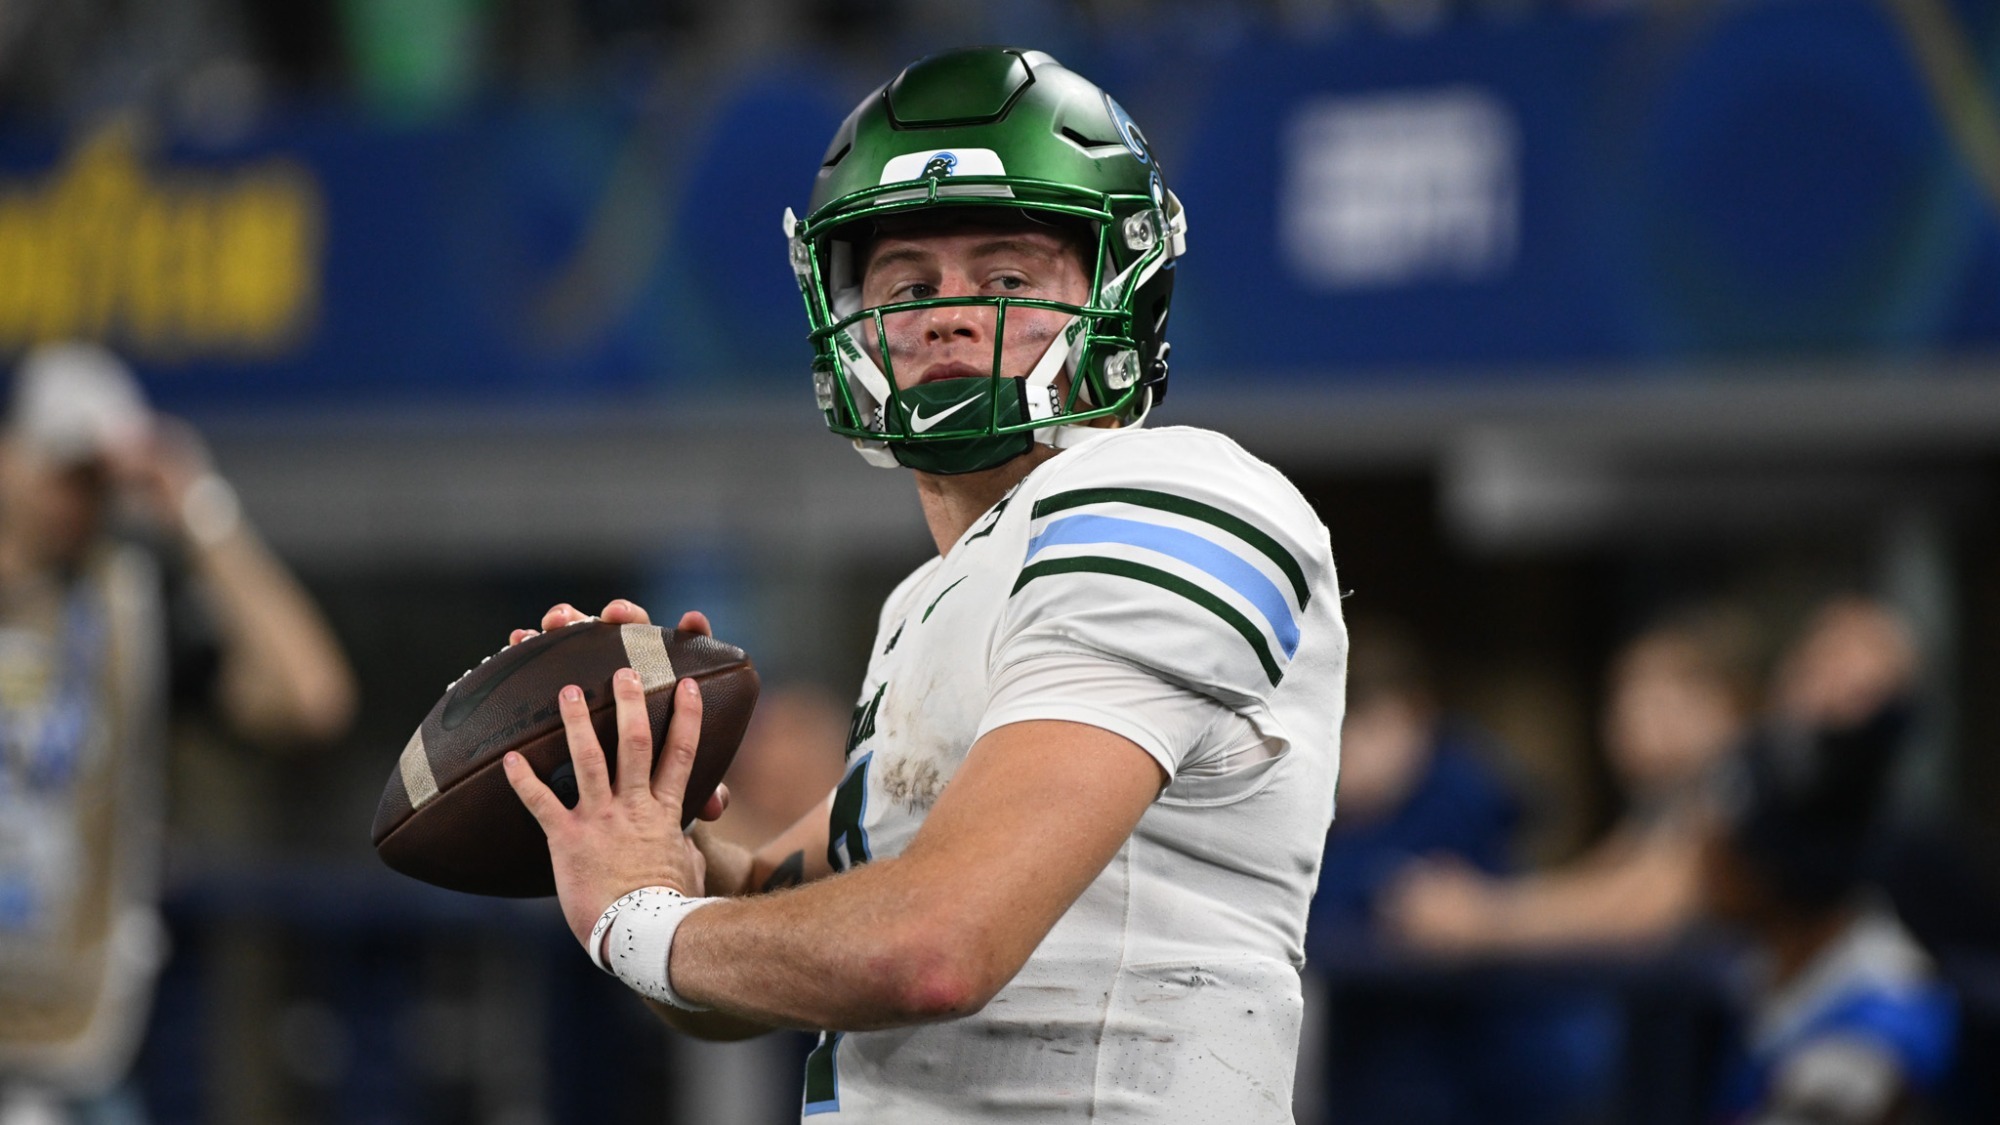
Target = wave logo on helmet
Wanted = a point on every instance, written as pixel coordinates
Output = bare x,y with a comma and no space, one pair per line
936,169
1127,130
940,164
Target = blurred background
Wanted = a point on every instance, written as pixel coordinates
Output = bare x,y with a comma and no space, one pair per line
1578,321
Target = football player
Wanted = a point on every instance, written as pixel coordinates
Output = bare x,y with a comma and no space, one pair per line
1065,875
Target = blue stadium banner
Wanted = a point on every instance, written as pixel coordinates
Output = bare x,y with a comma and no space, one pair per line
1603,193
576,252
1555,191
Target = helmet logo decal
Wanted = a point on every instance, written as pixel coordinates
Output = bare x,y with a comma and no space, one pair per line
1127,131
942,164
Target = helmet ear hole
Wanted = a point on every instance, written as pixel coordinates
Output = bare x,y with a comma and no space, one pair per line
1156,373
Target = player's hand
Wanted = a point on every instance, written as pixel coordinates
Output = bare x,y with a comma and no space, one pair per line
626,835
622,612
619,611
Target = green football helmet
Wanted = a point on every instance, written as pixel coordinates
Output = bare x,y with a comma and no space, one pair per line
992,128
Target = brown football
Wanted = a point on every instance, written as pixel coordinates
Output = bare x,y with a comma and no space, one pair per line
448,815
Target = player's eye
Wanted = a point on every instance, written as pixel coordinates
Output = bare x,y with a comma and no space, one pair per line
914,291
1010,282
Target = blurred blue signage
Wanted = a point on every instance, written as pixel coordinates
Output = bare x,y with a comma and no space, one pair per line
1779,178
1758,180
572,253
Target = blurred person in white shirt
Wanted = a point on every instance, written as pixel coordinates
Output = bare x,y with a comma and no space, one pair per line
88,664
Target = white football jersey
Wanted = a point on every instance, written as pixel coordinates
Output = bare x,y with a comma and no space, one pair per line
1186,572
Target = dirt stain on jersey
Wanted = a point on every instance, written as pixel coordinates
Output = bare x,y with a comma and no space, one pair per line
913,783
917,759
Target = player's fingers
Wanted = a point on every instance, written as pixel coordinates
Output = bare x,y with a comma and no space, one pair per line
542,804
626,612
561,615
635,731
695,621
716,805
670,776
519,635
592,779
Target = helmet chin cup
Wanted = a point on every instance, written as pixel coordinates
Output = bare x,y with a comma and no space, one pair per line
969,408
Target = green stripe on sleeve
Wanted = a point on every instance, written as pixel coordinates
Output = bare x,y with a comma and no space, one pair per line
1194,509
1169,582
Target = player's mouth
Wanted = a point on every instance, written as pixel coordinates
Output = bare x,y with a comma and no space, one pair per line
943,371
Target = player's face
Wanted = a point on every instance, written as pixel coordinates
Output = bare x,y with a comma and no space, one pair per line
956,341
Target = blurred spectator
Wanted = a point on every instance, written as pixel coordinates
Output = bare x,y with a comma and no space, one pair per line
1680,698
1412,784
1848,1021
1417,784
92,650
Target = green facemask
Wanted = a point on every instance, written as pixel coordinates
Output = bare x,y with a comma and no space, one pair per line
962,404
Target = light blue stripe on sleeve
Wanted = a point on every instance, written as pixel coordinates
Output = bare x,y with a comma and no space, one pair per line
1205,555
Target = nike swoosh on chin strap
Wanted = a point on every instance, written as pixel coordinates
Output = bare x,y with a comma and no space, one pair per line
920,424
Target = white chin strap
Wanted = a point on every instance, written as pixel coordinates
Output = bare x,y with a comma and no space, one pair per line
860,365
1041,381
1040,387
868,379
875,386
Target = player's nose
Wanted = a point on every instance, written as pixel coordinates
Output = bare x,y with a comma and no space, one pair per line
965,322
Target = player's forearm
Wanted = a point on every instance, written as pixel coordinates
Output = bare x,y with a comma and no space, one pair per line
858,951
719,1027
797,855
731,866
935,932
773,872
733,870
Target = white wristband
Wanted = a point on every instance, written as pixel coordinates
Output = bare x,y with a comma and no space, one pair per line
634,938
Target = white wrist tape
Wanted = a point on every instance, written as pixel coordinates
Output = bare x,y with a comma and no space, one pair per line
634,938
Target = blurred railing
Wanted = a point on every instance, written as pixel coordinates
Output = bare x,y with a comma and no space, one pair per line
338,994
